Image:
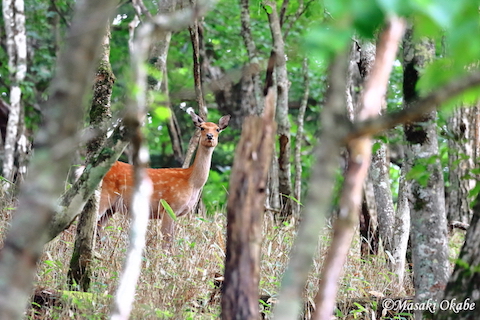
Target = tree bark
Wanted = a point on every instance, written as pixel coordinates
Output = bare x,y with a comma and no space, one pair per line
252,55
245,215
461,158
368,222
298,141
16,42
55,145
464,284
283,131
80,271
379,176
401,231
160,52
427,202
194,30
159,59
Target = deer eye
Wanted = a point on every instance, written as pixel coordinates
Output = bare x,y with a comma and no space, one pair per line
202,128
218,129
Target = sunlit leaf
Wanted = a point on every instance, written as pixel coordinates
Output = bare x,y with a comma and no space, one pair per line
168,209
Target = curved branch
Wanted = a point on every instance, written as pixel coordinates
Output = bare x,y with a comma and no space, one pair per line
417,110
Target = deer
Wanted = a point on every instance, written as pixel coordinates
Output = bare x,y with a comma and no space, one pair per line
179,187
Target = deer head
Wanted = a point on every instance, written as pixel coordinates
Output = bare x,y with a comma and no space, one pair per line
208,130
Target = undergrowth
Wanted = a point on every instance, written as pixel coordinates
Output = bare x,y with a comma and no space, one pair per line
184,284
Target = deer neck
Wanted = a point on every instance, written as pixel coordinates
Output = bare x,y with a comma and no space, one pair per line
201,166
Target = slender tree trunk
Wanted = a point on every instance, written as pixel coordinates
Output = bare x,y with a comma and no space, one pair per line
318,200
362,56
369,237
252,55
461,160
464,284
379,176
401,231
299,139
245,215
16,42
284,179
428,217
159,58
80,269
197,77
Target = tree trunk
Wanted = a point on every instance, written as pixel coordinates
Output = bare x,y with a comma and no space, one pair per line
379,176
362,56
80,271
284,179
298,141
252,56
401,231
197,77
38,198
245,215
159,58
464,284
461,160
369,237
427,202
320,194
16,42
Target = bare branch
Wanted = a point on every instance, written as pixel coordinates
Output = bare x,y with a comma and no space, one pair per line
417,110
141,9
140,204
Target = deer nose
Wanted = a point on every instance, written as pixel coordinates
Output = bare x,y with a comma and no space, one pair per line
210,136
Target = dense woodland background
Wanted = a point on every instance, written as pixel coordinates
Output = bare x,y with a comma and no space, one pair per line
371,192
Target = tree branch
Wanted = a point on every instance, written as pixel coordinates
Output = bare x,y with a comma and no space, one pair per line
417,110
360,152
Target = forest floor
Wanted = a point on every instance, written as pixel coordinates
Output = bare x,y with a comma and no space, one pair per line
185,283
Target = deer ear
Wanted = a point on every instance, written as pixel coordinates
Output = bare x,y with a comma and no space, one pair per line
197,120
223,122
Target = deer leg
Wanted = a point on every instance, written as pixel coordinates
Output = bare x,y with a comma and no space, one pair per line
106,210
168,228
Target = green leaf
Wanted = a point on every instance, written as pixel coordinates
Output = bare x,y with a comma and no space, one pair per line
162,113
419,173
376,146
474,192
268,9
168,209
